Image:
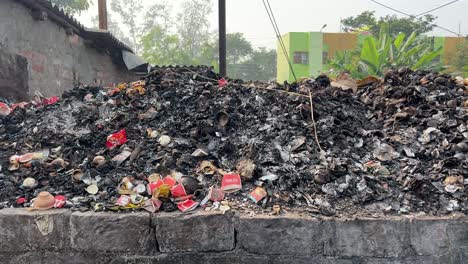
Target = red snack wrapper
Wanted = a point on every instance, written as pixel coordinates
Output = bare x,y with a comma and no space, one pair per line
187,205
257,194
169,181
153,186
20,200
216,195
59,201
231,183
152,205
116,139
4,109
49,101
222,82
178,191
123,200
19,105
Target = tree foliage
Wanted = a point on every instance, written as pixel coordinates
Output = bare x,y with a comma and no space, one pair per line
186,38
193,26
72,6
367,20
162,48
128,11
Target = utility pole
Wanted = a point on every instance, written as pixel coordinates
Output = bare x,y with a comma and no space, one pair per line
222,37
102,6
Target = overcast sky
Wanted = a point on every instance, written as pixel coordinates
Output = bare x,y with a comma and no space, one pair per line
250,18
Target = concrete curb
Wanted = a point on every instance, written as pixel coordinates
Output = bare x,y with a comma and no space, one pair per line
60,236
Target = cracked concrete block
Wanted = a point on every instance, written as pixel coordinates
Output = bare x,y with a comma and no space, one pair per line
409,260
430,237
379,238
52,258
112,232
22,230
280,235
199,258
458,235
199,231
309,260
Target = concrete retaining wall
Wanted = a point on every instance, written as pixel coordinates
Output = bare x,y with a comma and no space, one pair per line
60,236
56,61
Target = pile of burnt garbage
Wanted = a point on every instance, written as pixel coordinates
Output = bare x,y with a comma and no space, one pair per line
184,139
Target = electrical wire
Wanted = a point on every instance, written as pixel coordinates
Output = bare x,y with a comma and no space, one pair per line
414,17
281,39
434,9
278,35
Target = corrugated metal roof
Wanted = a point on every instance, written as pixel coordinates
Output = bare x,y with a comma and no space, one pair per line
105,39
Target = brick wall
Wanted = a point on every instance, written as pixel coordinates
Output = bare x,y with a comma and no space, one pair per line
60,236
13,77
56,61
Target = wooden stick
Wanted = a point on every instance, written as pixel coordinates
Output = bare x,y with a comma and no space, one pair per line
313,120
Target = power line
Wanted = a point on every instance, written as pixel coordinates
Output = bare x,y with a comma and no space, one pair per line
434,9
278,34
412,16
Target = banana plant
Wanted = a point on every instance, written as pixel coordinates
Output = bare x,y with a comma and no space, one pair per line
378,54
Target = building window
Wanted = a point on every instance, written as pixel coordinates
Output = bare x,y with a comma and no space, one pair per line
325,57
301,58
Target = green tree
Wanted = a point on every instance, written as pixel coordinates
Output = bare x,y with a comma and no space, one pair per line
261,65
395,24
162,48
129,11
72,6
193,27
238,48
158,15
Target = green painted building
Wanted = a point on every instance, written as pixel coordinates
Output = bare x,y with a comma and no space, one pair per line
310,51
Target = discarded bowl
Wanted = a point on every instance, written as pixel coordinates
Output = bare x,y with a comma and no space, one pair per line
4,109
59,163
98,160
190,184
92,189
13,166
222,118
77,175
164,140
136,198
140,188
14,158
44,201
29,183
154,177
